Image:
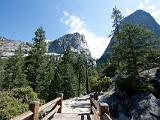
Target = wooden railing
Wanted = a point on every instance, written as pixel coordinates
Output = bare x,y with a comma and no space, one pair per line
100,110
46,111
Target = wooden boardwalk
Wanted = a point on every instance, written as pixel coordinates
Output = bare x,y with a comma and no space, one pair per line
79,108
75,109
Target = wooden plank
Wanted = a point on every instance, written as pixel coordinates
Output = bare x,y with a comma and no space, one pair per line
72,116
96,115
103,109
51,113
24,116
94,103
48,104
106,117
34,107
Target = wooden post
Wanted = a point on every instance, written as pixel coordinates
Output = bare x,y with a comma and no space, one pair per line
103,108
91,103
60,103
95,95
34,106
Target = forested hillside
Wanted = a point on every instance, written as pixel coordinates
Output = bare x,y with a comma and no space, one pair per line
131,72
43,76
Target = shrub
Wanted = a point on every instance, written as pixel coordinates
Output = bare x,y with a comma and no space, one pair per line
99,84
24,95
110,70
15,102
132,85
10,106
105,83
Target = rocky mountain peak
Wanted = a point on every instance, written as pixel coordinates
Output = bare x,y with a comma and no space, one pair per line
138,17
144,18
77,42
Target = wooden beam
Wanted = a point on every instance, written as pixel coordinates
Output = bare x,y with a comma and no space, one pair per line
48,104
34,106
51,113
25,116
103,108
60,104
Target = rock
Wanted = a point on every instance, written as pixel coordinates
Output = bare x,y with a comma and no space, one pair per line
8,47
151,73
117,107
77,42
153,76
145,106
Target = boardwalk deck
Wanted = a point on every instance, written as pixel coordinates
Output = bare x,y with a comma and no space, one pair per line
75,109
72,116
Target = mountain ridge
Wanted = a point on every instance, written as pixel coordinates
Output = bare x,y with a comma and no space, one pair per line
138,17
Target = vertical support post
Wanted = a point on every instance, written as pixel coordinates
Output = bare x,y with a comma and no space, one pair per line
60,103
95,95
34,106
103,108
91,103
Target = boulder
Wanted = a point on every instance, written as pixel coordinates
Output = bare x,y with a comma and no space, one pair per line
145,106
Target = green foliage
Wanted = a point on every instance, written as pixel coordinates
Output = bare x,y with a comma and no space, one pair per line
14,71
110,70
132,85
135,45
15,102
37,64
2,75
65,80
10,107
24,94
68,56
105,83
98,85
117,18
80,73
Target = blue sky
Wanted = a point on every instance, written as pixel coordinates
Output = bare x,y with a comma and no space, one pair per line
20,18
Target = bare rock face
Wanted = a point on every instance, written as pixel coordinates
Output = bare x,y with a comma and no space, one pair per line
143,106
77,42
8,47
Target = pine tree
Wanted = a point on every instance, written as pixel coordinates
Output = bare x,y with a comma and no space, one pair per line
37,62
52,86
2,75
136,41
65,80
117,18
68,56
81,73
14,71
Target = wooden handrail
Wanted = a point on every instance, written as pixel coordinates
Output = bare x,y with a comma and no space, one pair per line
100,111
34,110
49,104
25,116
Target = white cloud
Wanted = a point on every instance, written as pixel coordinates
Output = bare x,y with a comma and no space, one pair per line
66,13
129,11
151,7
97,44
